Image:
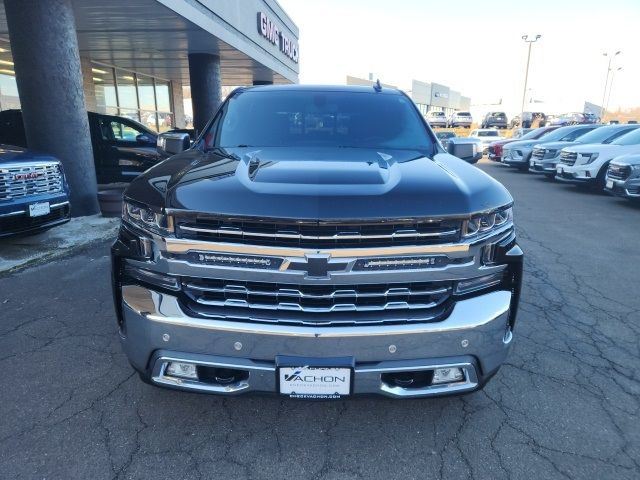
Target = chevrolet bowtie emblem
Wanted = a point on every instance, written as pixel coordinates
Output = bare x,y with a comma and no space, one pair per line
317,266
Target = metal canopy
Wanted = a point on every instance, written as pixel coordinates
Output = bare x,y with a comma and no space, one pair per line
146,37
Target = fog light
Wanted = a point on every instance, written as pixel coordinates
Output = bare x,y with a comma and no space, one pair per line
155,278
182,370
447,375
478,283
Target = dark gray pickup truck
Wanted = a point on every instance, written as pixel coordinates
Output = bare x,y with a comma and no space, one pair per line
317,242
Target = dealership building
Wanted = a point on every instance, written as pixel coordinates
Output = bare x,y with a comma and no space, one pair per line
428,97
132,58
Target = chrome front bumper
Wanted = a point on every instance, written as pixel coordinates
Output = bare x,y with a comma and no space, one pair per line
476,337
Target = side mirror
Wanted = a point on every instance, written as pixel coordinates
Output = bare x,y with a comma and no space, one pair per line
144,139
172,143
466,149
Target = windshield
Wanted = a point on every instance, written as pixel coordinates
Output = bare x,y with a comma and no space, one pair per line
308,118
535,134
463,114
631,138
565,134
575,134
489,133
604,134
436,114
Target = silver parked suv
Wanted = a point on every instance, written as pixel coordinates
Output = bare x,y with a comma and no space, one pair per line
437,119
460,119
623,177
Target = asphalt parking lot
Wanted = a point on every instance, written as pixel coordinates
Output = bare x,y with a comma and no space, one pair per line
565,405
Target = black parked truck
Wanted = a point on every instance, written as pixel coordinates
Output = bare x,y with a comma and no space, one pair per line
122,148
317,242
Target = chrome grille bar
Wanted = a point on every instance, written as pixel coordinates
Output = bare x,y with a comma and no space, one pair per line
315,299
568,158
337,236
338,307
286,292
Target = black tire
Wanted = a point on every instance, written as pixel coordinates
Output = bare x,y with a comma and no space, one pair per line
550,176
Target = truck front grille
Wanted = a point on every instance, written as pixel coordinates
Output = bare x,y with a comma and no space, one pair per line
568,158
320,234
316,304
538,153
18,181
619,172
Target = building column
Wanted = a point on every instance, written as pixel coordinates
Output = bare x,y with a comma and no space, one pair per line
46,59
206,87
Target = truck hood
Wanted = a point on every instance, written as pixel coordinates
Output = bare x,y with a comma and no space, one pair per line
12,154
607,150
554,145
522,144
629,159
504,141
318,183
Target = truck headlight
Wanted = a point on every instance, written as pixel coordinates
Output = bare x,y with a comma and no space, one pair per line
146,219
481,224
589,157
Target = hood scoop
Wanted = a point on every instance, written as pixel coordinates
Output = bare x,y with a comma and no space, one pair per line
336,167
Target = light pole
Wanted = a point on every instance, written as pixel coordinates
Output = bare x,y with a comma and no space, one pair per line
526,74
613,73
606,81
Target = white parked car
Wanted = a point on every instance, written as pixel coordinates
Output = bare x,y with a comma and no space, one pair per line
486,136
587,164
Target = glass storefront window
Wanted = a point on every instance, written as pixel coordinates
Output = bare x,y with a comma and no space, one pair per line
163,99
127,95
147,100
138,97
106,99
8,92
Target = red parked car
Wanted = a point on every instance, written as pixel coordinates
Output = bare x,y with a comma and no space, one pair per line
495,148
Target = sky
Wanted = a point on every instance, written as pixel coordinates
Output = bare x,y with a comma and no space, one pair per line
475,47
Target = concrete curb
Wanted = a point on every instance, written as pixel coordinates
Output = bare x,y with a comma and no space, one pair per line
20,252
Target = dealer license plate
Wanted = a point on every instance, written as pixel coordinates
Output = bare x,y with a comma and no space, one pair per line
39,209
315,382
609,183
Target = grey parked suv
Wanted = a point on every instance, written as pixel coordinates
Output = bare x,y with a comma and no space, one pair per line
317,242
495,120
